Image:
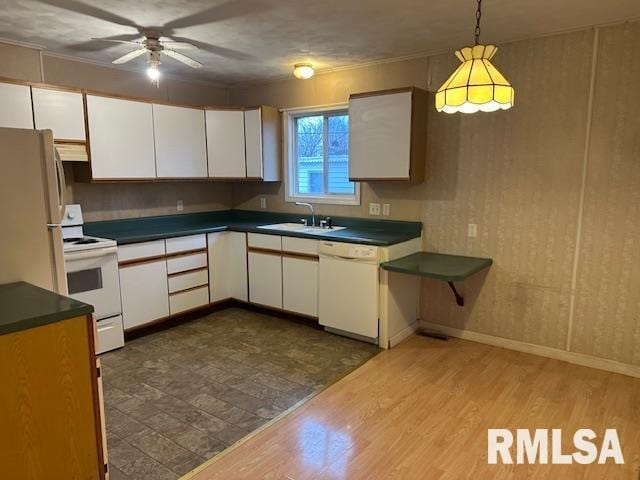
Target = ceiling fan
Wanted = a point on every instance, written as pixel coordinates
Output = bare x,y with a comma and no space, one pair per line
153,44
153,47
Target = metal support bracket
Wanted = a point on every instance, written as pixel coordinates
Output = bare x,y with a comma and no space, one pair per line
459,298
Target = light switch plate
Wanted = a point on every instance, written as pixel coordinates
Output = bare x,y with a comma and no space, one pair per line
473,230
263,202
180,206
386,209
374,209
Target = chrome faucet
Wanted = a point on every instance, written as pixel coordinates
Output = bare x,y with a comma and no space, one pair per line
313,214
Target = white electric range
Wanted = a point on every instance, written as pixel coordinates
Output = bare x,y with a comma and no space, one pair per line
91,266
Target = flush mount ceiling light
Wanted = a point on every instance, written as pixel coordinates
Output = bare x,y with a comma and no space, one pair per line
476,86
303,71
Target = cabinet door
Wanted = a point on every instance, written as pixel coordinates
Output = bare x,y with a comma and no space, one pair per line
144,292
253,142
181,150
15,106
380,136
265,279
300,285
225,144
228,266
62,112
121,138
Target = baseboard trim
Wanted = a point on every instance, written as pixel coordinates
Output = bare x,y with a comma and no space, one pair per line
549,352
402,334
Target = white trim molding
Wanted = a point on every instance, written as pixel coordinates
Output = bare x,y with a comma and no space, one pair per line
288,118
549,352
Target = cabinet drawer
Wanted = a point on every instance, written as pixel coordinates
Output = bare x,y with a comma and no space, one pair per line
180,302
186,262
185,244
300,245
188,280
260,240
138,251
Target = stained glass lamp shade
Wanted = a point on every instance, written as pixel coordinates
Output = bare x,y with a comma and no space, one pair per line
476,86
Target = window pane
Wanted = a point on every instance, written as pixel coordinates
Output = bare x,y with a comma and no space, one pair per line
309,155
338,155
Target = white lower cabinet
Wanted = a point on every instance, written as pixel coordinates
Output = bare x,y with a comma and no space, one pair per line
227,266
188,299
265,279
144,292
300,285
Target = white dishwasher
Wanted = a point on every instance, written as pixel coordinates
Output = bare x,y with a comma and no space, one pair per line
349,286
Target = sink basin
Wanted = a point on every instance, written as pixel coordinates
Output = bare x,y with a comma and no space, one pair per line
298,227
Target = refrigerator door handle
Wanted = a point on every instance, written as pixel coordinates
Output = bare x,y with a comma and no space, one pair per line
62,183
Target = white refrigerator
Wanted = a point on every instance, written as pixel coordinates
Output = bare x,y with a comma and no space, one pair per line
32,190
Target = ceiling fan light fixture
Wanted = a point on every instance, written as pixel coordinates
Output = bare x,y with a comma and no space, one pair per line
303,71
153,73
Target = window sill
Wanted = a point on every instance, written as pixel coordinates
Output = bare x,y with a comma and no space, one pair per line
337,200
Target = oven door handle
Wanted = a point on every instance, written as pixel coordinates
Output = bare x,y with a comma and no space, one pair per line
97,253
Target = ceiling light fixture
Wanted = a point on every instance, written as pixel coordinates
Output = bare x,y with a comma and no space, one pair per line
476,86
303,71
152,71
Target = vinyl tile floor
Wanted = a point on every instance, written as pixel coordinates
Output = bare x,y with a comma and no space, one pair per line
176,398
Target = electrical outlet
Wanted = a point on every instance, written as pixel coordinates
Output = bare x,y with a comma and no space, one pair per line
374,209
473,230
263,202
179,205
386,209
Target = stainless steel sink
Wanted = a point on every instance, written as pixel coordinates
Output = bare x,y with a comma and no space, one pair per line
299,227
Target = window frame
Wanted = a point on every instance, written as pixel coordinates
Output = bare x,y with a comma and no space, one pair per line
289,118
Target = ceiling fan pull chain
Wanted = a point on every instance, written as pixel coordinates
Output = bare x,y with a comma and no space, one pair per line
478,17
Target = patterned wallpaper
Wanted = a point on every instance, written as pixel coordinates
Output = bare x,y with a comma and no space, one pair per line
518,175
607,313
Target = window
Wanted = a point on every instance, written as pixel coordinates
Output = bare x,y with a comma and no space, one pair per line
317,156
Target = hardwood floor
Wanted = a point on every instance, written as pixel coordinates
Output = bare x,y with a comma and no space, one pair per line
422,410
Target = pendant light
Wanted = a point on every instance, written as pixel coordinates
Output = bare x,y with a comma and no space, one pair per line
476,86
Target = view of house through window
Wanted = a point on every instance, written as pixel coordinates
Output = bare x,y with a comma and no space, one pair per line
321,155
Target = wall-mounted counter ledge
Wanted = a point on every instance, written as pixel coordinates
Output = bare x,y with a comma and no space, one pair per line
24,306
439,266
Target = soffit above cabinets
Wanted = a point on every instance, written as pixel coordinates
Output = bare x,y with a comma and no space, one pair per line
251,40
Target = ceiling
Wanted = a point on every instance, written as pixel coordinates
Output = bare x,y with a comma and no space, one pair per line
252,40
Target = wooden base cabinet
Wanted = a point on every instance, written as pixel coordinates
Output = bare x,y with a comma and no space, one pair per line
51,424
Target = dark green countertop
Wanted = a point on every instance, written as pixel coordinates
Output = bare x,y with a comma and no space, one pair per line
26,306
450,268
363,231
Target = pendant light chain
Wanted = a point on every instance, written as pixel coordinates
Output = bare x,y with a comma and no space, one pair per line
478,17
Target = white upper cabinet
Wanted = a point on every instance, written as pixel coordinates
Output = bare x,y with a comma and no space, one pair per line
262,143
181,151
121,138
60,111
225,144
15,106
387,135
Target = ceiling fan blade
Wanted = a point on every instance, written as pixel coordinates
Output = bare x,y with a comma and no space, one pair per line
95,12
218,13
96,44
129,56
177,45
128,42
182,58
216,50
